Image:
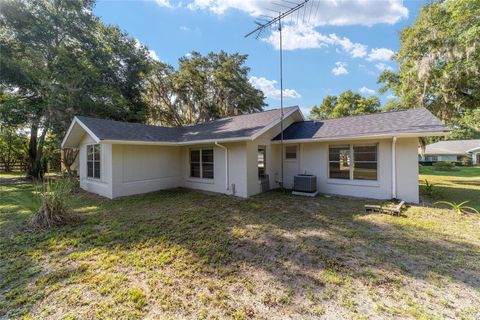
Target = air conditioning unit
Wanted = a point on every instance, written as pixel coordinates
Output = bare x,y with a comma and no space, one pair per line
305,184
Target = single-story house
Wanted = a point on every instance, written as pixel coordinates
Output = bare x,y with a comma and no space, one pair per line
372,156
452,150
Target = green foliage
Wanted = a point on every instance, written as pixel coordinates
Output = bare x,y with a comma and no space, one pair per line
54,197
444,166
58,60
428,188
439,65
203,88
13,146
347,103
459,208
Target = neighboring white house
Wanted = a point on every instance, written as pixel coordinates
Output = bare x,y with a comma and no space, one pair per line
452,150
372,156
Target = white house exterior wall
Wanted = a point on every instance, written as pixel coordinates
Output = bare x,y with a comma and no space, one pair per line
140,169
312,158
407,169
236,169
272,165
102,186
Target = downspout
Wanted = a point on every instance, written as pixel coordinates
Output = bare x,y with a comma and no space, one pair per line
394,168
226,164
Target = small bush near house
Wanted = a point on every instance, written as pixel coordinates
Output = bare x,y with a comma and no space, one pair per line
459,208
428,188
444,166
54,209
466,161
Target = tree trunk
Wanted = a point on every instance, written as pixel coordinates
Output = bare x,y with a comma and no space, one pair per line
33,166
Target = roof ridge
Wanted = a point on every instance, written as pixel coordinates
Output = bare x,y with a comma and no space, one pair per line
126,122
189,125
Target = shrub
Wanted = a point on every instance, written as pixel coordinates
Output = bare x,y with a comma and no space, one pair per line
428,188
444,166
459,208
54,197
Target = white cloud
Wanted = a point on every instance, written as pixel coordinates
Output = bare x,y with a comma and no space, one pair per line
391,97
184,28
188,55
381,54
164,3
151,53
382,66
366,90
270,90
305,37
298,37
356,50
341,68
338,12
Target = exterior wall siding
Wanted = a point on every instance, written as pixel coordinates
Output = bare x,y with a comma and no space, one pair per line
407,169
272,160
141,169
237,180
312,158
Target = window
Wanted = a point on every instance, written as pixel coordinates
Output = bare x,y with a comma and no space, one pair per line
262,161
93,161
201,163
291,153
353,162
340,160
365,166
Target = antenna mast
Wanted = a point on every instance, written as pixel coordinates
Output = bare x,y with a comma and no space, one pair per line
262,27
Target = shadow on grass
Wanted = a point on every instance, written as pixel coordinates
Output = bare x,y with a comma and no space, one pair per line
293,239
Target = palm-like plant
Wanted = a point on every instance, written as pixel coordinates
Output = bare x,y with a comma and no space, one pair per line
459,208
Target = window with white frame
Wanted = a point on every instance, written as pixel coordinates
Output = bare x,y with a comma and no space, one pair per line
93,161
290,152
262,161
353,162
201,163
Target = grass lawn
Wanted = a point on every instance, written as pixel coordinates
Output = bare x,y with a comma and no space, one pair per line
460,185
186,254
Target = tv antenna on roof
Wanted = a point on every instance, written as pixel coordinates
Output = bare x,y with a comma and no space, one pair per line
286,9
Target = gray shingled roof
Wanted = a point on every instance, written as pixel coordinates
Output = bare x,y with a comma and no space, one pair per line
242,126
418,120
452,147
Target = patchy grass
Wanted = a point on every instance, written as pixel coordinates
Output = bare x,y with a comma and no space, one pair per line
456,186
186,254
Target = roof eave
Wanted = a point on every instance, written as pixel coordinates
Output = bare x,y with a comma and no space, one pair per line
368,137
173,143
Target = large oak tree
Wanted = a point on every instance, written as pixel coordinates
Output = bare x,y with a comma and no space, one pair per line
58,60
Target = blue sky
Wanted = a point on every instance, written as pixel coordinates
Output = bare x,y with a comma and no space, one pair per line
330,47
